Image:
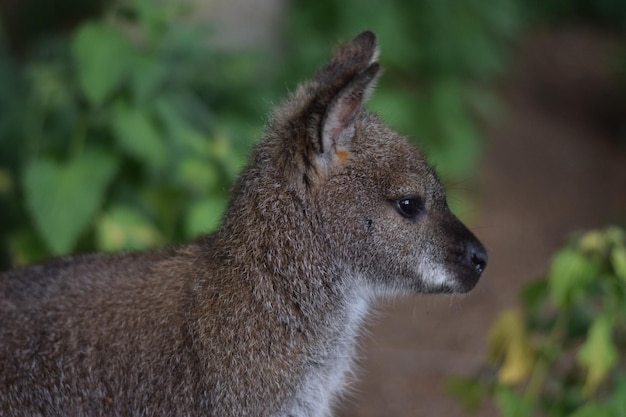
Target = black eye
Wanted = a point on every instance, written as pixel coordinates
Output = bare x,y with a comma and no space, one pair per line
410,207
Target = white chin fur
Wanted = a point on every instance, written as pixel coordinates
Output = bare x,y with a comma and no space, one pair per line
435,277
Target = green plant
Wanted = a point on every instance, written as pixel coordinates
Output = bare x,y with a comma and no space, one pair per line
560,354
124,135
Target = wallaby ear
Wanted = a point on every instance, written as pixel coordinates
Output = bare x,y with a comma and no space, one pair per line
343,86
338,128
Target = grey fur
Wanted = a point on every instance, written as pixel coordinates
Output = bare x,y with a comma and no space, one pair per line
261,317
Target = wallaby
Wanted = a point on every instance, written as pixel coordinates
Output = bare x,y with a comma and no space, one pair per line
261,317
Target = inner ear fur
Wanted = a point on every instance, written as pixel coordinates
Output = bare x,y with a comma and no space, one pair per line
337,129
342,87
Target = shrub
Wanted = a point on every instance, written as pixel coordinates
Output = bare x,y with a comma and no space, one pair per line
126,133
559,355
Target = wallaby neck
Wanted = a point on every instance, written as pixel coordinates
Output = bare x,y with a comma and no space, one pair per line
308,312
276,245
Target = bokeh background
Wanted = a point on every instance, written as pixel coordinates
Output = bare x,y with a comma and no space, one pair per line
123,124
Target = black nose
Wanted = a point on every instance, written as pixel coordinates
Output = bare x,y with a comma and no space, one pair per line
477,256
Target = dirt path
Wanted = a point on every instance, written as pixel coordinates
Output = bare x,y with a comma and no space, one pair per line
553,166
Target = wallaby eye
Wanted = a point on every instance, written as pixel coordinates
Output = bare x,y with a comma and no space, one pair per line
410,207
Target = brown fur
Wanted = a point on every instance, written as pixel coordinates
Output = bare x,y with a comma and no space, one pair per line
261,317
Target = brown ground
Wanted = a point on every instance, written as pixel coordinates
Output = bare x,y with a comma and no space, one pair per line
553,166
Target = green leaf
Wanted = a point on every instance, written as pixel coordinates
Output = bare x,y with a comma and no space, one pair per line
138,136
592,409
63,199
598,354
570,274
618,260
230,158
101,53
616,235
197,175
204,216
617,402
511,403
534,293
177,125
147,75
125,228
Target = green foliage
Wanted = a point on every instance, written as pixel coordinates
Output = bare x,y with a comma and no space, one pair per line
124,135
572,272
62,199
101,55
560,356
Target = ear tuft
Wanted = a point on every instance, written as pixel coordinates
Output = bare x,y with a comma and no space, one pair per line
348,60
367,42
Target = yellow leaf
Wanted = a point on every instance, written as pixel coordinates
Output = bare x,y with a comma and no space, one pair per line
593,241
510,347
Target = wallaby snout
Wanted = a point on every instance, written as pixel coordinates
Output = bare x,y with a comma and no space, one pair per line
470,256
260,318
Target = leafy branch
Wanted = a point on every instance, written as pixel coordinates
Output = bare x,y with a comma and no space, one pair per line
559,355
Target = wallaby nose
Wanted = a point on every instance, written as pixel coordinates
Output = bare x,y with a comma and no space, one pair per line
477,256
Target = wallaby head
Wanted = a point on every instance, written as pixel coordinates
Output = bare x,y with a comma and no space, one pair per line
261,317
369,200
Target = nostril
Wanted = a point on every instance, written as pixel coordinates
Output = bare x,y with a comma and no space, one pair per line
478,257
478,262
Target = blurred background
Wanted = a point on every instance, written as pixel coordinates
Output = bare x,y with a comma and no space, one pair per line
123,124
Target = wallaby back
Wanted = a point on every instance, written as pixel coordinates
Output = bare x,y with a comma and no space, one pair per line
261,317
